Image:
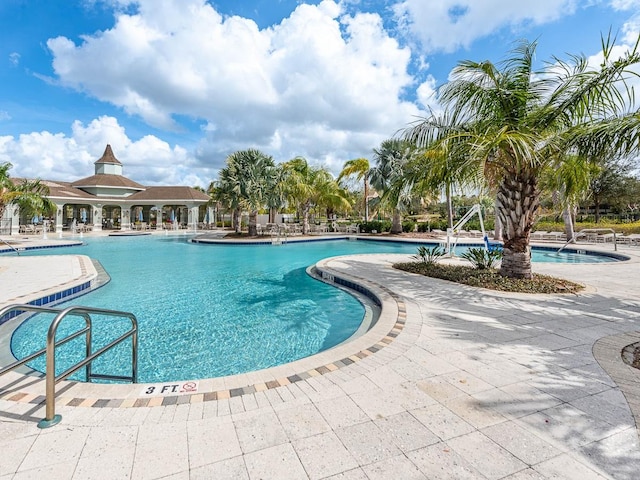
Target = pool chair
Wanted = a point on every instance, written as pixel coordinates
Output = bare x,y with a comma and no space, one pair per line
554,236
634,239
539,235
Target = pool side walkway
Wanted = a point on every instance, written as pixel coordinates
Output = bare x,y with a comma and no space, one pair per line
475,384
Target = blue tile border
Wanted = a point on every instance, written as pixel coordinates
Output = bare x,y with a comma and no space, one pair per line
49,300
39,247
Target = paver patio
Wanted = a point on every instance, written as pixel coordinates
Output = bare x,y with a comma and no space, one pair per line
478,384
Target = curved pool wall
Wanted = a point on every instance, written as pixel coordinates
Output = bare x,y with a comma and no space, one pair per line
389,324
354,285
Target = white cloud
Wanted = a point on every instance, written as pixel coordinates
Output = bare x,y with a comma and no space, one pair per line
14,58
625,4
426,93
4,116
322,83
447,25
56,156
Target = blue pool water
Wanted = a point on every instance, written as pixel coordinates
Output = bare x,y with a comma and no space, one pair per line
211,310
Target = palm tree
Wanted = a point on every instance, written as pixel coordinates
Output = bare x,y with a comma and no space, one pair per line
359,168
246,180
518,122
308,187
275,195
569,183
226,194
388,177
29,195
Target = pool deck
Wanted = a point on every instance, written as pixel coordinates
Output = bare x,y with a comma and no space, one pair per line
454,382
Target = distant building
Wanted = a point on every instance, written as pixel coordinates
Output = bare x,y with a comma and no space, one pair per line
108,200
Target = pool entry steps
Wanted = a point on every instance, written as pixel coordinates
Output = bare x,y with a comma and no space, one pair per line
51,379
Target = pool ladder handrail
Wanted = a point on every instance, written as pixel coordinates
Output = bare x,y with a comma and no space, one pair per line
585,231
51,379
277,232
11,247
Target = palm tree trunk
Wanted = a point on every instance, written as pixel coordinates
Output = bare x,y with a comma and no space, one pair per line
237,225
568,223
366,199
305,218
519,199
396,224
449,206
253,223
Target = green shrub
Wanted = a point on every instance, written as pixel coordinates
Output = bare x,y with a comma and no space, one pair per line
377,225
408,226
482,259
428,255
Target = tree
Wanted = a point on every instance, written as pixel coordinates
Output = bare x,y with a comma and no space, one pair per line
388,177
245,182
307,187
29,195
519,122
569,183
359,168
607,183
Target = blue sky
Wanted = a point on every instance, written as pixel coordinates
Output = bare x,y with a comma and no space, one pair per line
176,85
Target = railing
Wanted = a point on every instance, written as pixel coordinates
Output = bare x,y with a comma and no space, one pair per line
586,231
51,379
10,246
278,235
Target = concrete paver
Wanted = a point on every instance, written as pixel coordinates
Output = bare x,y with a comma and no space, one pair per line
477,384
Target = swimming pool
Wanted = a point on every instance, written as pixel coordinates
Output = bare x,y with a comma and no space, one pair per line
211,310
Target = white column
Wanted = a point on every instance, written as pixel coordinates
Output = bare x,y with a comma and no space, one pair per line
13,212
125,217
211,214
159,217
97,217
58,218
193,217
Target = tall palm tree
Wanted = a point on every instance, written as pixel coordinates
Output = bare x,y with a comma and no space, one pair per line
246,180
388,177
569,183
359,168
308,187
226,193
275,195
518,122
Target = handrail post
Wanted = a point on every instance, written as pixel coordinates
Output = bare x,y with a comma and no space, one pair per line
134,350
87,348
50,418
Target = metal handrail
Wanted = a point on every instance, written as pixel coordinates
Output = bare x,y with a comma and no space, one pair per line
10,246
278,232
51,379
585,231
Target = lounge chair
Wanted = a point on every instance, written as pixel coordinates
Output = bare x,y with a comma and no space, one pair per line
634,239
539,235
554,236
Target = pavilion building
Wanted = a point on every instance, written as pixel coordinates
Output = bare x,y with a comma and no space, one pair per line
109,200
